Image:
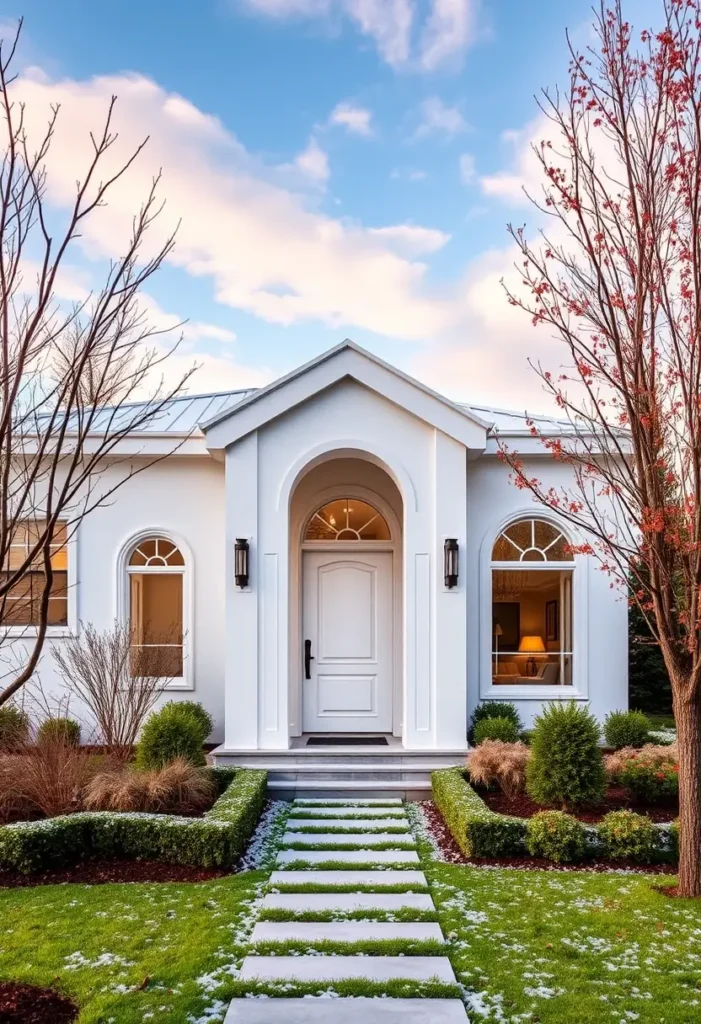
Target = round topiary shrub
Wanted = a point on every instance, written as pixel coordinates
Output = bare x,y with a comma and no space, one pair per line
496,729
626,729
61,730
566,766
191,709
494,709
14,727
628,836
169,734
556,836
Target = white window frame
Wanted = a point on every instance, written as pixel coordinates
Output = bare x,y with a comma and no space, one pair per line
124,571
579,570
70,628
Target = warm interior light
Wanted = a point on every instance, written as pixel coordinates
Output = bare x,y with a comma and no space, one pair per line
532,645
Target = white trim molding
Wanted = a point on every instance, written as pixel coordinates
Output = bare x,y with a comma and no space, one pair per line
580,568
187,681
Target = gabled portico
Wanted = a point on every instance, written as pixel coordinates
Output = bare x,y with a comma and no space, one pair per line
349,434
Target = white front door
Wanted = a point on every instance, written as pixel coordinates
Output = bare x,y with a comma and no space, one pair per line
347,641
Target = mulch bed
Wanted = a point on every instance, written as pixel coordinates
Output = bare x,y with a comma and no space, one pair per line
28,1004
99,872
616,799
454,855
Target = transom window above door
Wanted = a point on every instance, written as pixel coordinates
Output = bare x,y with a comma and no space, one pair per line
347,519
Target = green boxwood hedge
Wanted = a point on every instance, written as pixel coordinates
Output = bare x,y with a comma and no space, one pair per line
480,832
216,840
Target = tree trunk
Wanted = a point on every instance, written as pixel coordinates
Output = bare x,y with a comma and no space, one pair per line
688,718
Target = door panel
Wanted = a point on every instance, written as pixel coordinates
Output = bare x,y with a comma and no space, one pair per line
348,617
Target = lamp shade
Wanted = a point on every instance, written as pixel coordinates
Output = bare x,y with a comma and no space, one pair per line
532,645
498,631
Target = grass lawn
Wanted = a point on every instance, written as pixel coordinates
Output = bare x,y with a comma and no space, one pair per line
573,947
128,953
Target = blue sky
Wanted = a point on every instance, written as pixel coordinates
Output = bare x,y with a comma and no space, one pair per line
341,168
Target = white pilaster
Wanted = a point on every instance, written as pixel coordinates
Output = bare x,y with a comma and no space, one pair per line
241,613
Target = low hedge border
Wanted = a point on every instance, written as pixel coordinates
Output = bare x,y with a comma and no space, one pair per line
216,840
480,832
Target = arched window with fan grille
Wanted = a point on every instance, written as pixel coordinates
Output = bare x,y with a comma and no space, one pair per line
532,569
156,576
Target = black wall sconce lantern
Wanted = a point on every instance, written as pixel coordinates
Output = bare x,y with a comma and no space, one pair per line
450,562
241,562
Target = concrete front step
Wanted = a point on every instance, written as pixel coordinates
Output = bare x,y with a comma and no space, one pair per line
313,932
321,1010
368,879
387,815
348,824
339,968
345,839
410,788
323,902
367,856
351,804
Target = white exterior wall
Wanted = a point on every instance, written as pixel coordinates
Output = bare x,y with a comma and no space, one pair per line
244,645
429,470
181,497
600,614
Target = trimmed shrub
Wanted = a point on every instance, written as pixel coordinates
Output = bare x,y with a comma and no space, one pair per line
191,709
626,729
14,727
493,709
216,840
566,766
496,729
556,836
477,830
628,836
501,763
481,833
59,730
169,734
649,781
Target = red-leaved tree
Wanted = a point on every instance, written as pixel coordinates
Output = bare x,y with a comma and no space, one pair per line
616,277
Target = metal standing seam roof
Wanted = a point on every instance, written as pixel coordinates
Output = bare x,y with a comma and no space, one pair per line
184,414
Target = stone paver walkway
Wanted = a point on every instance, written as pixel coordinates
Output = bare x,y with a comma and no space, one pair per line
365,845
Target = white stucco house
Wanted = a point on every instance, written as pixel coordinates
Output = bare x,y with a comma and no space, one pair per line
341,556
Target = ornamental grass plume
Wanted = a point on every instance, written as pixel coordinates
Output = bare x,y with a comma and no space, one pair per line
494,761
179,788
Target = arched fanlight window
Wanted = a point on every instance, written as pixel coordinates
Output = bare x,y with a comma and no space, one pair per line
531,540
155,571
347,519
532,606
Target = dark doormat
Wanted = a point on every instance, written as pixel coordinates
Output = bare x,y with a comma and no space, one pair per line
347,741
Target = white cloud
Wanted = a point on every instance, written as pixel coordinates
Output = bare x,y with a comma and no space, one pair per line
468,169
484,359
356,120
438,119
412,240
387,22
191,330
524,173
447,32
313,162
264,250
408,174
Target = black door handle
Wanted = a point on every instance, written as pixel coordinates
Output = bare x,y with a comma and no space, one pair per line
308,659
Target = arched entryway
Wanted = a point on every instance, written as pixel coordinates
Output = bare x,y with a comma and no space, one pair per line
346,553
